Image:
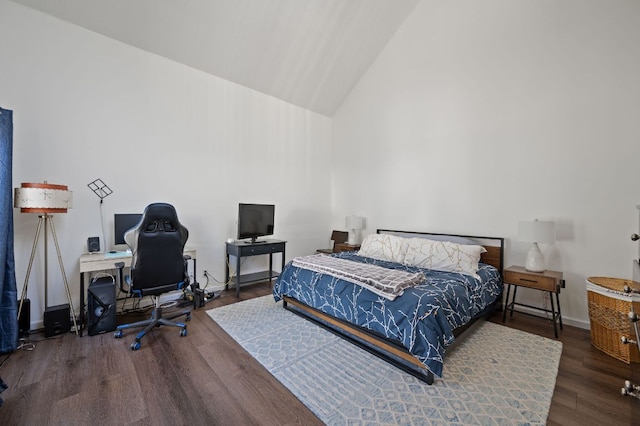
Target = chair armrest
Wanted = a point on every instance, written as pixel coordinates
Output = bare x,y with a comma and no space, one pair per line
120,276
187,258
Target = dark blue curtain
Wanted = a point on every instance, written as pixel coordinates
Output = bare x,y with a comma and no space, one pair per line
8,291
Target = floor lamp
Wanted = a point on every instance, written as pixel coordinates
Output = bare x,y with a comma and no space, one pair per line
43,199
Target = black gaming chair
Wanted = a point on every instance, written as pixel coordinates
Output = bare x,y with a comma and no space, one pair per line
158,265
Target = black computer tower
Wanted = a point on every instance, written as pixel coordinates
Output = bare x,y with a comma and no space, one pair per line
101,306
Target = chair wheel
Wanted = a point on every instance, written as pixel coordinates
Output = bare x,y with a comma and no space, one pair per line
135,346
187,318
118,334
183,332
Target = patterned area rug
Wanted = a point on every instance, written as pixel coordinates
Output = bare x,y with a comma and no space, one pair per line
496,376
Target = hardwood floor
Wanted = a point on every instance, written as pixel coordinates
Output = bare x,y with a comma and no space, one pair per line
206,378
589,381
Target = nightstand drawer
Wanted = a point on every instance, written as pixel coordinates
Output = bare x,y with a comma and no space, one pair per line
531,280
338,248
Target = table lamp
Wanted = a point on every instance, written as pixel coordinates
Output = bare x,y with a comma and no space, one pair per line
536,232
354,225
43,199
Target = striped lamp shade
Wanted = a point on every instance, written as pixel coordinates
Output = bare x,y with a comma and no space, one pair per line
42,198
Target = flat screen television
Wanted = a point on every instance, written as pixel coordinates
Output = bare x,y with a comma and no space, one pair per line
255,220
122,222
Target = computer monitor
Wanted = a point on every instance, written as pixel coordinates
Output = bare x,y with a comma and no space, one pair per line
122,222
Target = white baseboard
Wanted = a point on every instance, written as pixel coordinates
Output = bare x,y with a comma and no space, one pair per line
565,321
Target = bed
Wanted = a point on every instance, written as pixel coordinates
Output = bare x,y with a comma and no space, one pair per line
417,293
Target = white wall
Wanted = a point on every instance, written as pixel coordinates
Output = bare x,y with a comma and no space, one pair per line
88,107
478,115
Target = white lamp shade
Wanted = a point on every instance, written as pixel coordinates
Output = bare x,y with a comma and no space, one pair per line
354,225
42,198
537,231
355,222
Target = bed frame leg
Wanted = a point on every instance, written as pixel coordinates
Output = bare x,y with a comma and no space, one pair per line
429,378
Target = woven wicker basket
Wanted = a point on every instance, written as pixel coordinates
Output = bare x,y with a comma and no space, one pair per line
609,307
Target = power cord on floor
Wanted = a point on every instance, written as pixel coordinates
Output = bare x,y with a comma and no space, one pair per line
209,276
545,306
232,273
200,295
27,345
23,344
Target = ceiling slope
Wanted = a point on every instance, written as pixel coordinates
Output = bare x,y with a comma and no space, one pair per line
307,52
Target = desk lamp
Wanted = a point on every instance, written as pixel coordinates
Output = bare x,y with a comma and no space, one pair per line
44,198
536,232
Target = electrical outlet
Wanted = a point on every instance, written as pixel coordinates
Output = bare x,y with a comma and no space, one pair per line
205,273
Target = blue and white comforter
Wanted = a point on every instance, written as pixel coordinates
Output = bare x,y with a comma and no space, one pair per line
422,319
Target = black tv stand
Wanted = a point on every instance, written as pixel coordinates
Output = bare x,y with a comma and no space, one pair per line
240,249
256,241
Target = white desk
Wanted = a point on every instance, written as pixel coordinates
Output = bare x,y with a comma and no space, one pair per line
96,262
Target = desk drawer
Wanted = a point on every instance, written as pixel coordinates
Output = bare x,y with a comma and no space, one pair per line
265,248
531,280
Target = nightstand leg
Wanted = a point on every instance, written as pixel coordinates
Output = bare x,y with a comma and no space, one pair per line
513,300
238,257
559,313
226,273
553,315
506,304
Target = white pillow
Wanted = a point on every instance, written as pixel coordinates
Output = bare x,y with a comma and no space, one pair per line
384,247
444,256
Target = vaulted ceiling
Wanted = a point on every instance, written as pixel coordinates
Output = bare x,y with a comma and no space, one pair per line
307,52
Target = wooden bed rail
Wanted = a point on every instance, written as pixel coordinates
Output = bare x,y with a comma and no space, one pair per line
341,327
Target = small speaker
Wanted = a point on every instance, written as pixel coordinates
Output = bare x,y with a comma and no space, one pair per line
57,320
93,244
101,306
24,320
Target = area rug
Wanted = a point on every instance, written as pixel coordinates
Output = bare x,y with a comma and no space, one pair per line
495,376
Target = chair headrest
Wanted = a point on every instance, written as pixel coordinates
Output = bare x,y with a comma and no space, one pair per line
159,211
160,218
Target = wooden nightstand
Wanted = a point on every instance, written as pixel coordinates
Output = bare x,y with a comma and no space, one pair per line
345,247
548,281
